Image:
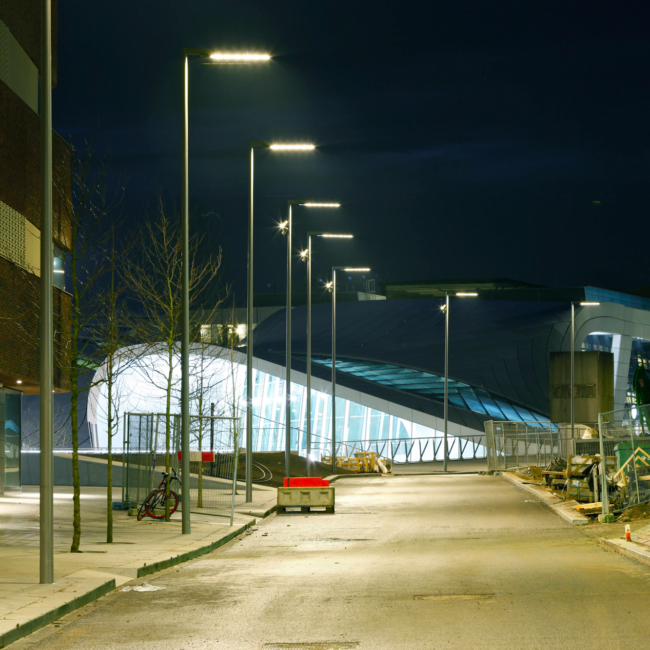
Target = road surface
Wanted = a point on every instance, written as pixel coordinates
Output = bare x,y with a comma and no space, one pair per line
421,562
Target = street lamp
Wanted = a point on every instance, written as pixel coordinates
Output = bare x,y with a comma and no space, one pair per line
287,228
279,147
307,255
215,58
46,362
445,308
333,287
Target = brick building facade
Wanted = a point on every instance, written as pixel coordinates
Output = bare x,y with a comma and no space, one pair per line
20,201
20,223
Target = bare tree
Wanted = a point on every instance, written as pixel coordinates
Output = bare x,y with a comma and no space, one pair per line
116,357
86,213
155,279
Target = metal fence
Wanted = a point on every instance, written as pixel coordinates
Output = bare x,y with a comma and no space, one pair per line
511,445
625,436
408,450
151,441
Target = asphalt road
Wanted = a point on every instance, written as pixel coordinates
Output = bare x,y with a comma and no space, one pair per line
423,562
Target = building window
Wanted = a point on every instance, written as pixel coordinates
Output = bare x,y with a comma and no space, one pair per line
59,269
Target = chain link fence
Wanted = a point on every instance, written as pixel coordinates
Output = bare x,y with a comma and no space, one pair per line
625,438
152,441
512,445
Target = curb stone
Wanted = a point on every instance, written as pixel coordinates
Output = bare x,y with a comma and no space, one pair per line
55,614
561,508
629,549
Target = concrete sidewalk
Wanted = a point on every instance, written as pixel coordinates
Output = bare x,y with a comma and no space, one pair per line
139,549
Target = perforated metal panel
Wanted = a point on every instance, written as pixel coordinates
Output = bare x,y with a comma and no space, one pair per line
13,229
20,241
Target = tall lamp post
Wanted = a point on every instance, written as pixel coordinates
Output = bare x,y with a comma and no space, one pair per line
334,270
287,227
307,255
445,308
46,490
278,147
215,58
573,335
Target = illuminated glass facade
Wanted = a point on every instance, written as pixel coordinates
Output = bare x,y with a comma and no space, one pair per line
425,383
356,423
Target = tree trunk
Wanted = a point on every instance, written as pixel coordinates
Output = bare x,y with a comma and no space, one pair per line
109,483
76,488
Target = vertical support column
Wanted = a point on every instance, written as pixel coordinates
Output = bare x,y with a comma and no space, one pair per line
572,387
249,340
622,349
287,442
446,406
309,356
185,333
46,521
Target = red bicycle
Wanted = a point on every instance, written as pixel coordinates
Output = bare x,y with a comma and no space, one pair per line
154,504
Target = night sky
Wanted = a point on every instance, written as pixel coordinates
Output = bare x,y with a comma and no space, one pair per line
464,140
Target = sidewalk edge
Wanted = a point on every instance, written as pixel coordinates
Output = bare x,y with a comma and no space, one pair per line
54,614
628,549
549,501
191,555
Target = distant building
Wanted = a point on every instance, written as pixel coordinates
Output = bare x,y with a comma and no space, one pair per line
20,220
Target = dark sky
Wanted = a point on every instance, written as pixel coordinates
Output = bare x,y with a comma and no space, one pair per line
465,139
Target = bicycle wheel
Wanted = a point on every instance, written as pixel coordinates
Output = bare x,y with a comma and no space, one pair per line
173,502
156,509
142,510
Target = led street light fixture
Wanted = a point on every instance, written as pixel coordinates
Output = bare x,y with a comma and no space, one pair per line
239,57
467,294
321,205
356,269
292,147
589,304
332,235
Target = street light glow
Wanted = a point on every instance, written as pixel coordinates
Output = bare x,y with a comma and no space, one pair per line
356,270
321,205
589,304
304,254
283,226
292,147
333,235
467,294
239,57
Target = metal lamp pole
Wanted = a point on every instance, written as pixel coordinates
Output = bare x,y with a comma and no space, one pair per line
445,308
214,57
334,270
287,227
249,305
46,490
308,255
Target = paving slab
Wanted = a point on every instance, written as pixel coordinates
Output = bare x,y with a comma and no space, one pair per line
139,548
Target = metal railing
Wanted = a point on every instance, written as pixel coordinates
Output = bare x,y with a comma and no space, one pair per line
407,450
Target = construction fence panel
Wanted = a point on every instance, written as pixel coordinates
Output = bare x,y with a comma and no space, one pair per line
625,437
152,442
512,445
